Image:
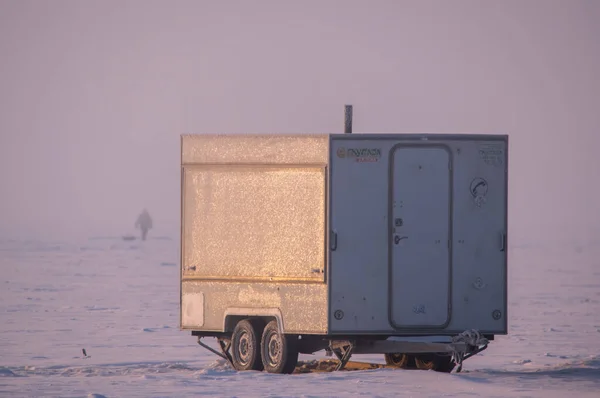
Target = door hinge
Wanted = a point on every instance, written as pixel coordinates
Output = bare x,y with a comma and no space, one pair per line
333,242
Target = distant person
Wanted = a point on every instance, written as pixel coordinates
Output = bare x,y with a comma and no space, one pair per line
144,223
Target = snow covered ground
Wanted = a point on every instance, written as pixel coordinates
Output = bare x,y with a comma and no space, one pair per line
119,301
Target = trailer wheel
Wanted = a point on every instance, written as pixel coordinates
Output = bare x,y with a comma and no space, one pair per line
397,359
279,351
436,362
245,345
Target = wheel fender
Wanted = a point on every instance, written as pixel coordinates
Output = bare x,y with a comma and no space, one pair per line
240,312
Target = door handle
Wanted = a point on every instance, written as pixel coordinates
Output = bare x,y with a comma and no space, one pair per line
503,242
397,239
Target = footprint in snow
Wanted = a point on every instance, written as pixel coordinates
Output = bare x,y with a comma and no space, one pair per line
155,329
555,356
522,361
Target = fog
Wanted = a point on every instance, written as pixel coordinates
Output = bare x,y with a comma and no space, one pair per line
95,94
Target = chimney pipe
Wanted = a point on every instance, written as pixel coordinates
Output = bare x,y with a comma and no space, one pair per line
348,120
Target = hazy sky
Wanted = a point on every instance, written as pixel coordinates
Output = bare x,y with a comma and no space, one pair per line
94,95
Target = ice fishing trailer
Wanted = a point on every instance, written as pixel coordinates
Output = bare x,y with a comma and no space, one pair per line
350,243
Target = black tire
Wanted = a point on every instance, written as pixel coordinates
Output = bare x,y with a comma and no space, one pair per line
245,345
436,362
279,352
398,360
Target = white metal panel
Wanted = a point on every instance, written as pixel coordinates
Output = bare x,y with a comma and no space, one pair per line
254,222
192,310
279,149
303,306
420,266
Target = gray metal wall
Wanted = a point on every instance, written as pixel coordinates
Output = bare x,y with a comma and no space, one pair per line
360,292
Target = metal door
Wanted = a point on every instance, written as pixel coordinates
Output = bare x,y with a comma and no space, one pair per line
421,200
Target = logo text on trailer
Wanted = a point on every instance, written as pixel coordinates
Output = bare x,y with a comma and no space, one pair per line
360,155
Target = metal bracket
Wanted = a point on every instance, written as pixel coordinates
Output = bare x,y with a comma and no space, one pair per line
343,351
460,357
224,344
475,344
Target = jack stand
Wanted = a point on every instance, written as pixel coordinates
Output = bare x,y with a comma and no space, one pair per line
224,348
459,358
343,353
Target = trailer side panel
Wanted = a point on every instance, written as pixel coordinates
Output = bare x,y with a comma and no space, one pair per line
254,230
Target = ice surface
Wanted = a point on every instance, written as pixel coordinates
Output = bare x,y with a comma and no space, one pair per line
119,300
